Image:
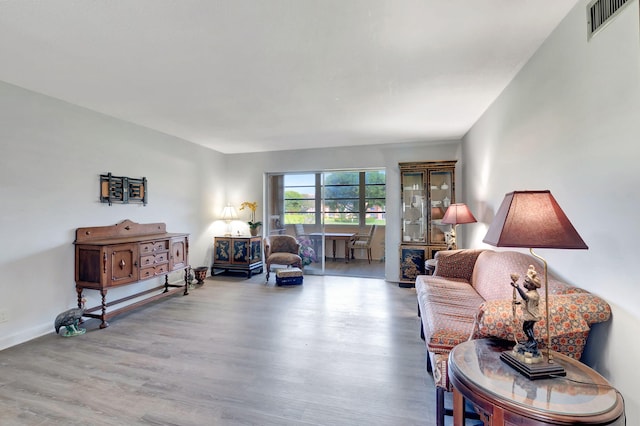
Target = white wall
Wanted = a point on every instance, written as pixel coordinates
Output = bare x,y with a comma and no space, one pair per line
52,156
570,122
246,170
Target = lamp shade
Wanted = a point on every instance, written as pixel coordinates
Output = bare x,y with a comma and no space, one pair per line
532,219
229,213
458,213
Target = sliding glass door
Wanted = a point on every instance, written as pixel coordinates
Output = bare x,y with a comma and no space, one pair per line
326,211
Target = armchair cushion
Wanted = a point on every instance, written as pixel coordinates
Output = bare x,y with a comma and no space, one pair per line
284,259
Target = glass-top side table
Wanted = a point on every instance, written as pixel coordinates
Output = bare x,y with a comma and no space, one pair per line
503,396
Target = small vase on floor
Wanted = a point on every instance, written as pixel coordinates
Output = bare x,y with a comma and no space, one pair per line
200,274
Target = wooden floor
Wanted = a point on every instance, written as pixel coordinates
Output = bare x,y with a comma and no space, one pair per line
334,351
355,268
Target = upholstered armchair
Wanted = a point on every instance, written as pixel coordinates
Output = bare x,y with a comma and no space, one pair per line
281,250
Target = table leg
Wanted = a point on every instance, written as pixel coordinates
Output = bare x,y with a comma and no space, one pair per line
103,316
334,250
458,408
79,291
346,251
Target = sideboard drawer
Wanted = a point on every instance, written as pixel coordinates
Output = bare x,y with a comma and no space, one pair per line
153,271
161,269
147,273
154,246
154,259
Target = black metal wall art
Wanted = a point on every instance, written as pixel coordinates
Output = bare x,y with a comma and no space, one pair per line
123,190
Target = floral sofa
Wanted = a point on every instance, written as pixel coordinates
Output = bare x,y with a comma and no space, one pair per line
469,296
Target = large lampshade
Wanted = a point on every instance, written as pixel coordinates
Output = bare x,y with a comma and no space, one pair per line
532,219
457,214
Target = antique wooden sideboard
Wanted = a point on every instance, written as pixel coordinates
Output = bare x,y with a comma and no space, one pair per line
127,253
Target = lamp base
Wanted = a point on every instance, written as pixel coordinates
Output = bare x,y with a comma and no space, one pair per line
533,370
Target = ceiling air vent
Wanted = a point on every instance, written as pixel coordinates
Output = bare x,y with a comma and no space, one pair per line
601,12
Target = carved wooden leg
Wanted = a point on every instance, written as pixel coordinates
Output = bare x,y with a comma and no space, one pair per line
79,291
103,316
186,281
166,283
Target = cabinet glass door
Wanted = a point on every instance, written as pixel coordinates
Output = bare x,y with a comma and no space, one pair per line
413,207
440,197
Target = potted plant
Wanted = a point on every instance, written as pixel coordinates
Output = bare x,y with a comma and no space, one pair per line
254,225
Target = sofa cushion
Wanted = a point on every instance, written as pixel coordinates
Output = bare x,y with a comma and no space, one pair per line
571,318
456,263
492,274
448,309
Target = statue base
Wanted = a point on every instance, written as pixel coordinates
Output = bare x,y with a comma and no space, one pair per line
532,367
71,332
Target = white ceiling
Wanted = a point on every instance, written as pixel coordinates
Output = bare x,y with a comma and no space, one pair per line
263,75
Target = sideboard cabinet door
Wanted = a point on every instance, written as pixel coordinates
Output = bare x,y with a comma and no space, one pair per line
179,253
122,261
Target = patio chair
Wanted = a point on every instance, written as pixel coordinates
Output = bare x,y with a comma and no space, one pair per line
363,242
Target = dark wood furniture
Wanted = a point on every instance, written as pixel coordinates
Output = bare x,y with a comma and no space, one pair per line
502,396
241,253
427,189
126,253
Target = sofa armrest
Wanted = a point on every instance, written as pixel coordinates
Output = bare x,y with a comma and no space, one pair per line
457,264
571,317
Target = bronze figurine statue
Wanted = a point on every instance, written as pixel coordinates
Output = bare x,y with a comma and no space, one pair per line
530,311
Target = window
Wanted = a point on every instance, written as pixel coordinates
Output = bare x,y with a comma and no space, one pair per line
350,197
375,196
300,198
341,198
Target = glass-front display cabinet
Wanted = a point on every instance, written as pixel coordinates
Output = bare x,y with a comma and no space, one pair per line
427,189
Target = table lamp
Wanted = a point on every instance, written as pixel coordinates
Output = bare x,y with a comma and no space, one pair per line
533,219
455,215
229,214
